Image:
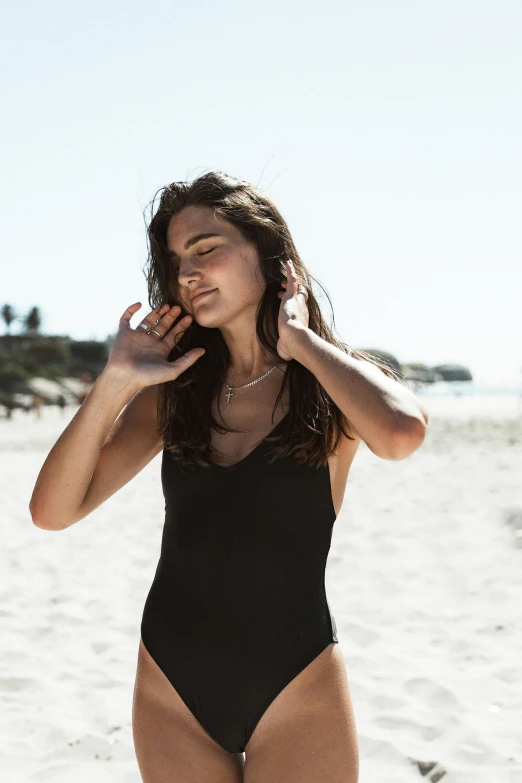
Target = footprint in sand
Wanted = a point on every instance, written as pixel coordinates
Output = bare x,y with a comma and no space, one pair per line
431,768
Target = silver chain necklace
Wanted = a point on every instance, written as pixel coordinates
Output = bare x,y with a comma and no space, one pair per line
235,388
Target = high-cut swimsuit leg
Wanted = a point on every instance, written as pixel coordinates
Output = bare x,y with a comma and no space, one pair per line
237,608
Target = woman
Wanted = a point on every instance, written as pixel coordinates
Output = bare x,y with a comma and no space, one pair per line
258,411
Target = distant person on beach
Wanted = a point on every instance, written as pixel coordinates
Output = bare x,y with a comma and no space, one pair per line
36,405
257,410
61,402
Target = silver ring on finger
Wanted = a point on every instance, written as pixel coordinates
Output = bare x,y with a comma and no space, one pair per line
143,325
155,332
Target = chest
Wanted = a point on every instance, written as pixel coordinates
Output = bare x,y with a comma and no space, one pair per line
254,422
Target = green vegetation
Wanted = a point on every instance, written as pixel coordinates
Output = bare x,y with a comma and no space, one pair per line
29,354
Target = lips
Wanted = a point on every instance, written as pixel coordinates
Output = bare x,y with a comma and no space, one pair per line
202,294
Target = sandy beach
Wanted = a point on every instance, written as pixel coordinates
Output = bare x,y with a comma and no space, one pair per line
423,580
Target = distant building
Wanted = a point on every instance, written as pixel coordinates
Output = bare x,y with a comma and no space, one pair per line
22,342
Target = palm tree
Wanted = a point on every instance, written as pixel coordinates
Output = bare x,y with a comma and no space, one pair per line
8,314
33,320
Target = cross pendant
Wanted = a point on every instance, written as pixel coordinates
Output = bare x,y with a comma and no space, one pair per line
229,395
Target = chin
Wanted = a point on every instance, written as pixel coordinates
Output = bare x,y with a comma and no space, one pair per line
208,322
211,320
214,318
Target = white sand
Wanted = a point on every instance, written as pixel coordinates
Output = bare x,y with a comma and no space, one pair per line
423,581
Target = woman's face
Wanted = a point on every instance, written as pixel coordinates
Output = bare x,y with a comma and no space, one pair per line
224,262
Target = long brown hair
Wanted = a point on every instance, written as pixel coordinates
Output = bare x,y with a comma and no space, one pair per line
312,429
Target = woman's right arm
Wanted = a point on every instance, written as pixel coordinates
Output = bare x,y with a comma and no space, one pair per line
67,475
100,451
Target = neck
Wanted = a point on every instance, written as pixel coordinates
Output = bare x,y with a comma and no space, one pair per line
248,358
248,364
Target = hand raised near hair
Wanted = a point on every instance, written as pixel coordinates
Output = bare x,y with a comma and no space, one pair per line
141,358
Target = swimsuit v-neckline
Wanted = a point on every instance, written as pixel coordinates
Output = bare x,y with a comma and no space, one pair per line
243,459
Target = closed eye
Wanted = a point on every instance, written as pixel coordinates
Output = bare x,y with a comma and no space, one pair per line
207,252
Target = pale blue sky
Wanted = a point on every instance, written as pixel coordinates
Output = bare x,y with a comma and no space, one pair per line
388,134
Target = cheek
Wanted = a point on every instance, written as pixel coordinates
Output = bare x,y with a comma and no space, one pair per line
247,288
234,274
252,276
237,275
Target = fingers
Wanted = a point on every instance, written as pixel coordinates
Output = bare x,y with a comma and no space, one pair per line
129,312
296,286
160,319
149,319
300,290
189,358
171,334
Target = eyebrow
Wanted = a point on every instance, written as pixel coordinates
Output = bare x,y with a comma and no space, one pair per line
192,241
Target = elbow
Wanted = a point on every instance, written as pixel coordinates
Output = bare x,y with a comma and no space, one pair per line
410,436
46,526
39,521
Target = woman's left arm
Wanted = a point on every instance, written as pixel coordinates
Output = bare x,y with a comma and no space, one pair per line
383,412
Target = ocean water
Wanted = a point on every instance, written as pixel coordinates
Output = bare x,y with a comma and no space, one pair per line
464,388
469,400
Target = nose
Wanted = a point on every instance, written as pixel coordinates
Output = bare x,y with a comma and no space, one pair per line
187,273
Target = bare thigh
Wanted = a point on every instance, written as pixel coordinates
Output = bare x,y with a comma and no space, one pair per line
171,745
308,733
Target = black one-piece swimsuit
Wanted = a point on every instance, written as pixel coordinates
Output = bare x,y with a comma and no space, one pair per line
238,606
